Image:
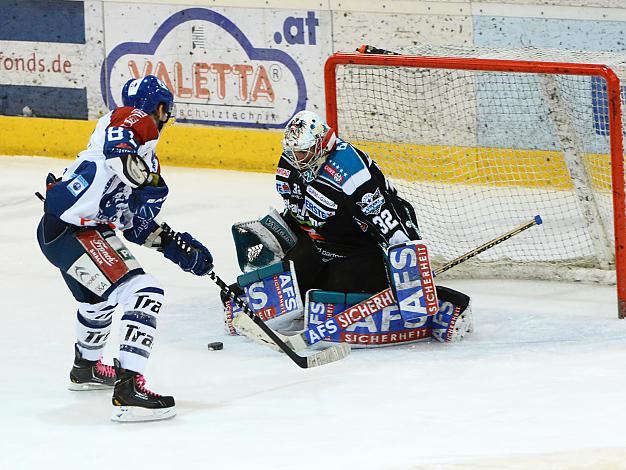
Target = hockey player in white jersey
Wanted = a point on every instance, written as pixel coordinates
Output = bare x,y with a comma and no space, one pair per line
116,185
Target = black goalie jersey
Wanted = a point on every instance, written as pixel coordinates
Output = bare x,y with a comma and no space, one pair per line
347,207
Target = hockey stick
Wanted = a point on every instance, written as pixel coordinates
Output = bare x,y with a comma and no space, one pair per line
490,244
326,356
365,49
385,298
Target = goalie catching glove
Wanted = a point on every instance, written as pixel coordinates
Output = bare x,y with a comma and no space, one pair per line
180,248
262,242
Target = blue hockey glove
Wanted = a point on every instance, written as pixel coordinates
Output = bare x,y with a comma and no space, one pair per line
144,232
188,253
146,201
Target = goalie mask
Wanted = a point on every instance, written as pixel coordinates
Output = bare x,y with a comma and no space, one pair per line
307,141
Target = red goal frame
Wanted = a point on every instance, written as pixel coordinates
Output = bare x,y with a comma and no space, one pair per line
521,66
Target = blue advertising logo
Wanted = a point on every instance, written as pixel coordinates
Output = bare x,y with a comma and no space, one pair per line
246,93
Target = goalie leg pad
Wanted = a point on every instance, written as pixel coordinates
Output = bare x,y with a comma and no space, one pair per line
93,325
412,280
454,319
231,311
380,322
272,294
245,326
141,299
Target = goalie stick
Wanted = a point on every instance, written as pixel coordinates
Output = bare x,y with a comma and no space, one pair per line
385,298
365,49
319,358
490,244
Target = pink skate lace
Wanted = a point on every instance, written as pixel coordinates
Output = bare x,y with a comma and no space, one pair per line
140,380
104,370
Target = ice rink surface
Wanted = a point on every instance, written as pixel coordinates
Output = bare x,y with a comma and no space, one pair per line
541,384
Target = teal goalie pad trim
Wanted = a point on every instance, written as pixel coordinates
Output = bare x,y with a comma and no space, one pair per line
344,298
254,276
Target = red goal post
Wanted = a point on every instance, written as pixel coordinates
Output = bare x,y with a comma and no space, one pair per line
336,89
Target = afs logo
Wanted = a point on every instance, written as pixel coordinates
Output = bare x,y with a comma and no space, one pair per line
244,87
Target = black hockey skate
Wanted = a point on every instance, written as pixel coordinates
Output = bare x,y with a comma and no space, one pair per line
132,401
90,375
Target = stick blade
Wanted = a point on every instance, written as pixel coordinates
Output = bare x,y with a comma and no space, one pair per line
259,334
538,219
328,355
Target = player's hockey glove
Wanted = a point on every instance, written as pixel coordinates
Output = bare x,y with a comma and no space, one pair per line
187,252
146,201
146,232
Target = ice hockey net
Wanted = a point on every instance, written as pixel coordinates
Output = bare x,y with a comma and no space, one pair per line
481,141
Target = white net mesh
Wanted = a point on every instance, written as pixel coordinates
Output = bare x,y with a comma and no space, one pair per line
478,153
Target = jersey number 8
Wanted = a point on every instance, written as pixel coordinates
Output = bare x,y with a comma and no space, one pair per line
119,133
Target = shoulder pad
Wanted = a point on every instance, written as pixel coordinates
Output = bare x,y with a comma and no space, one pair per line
346,157
143,126
345,168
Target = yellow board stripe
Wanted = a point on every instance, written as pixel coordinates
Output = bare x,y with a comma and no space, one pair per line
180,145
215,147
259,150
484,166
43,137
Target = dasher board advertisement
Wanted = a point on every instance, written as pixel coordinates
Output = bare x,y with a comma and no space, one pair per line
241,67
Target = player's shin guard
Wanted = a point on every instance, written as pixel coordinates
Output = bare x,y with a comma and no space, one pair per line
93,324
142,301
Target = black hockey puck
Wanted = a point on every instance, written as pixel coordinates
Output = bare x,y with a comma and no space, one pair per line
215,346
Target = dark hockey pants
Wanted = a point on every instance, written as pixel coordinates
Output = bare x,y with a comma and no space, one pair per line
364,271
58,243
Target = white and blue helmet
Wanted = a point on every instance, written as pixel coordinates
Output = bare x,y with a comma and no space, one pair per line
147,93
